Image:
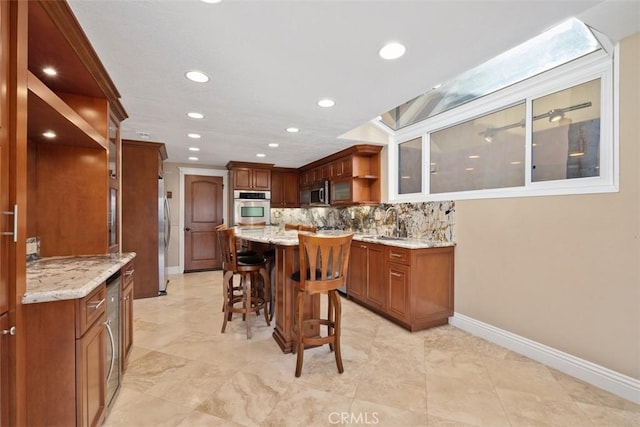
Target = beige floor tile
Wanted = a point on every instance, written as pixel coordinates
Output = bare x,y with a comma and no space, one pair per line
525,376
464,401
368,413
525,409
184,372
605,416
246,398
306,406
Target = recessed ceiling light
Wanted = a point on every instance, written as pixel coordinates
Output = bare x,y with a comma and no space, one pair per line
49,71
195,115
143,134
515,163
469,169
211,1
194,135
261,155
274,144
194,149
197,76
474,156
326,103
392,51
49,134
293,130
193,158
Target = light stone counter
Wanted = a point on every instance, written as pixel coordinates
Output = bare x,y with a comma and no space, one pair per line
278,236
61,278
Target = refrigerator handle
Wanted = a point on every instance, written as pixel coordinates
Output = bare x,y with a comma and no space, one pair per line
167,211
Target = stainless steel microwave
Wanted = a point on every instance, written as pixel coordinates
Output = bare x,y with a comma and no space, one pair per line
319,194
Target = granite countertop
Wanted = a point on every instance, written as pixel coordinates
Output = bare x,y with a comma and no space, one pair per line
61,278
279,236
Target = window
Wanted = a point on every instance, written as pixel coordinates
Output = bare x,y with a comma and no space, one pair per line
486,152
559,45
566,134
410,166
552,133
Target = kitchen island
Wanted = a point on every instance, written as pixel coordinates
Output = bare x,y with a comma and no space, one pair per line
398,296
78,334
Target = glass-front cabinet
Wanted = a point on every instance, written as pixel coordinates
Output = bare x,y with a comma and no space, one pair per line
114,185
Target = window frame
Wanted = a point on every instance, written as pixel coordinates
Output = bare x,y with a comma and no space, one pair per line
597,65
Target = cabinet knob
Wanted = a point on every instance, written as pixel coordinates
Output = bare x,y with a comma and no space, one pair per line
10,331
187,229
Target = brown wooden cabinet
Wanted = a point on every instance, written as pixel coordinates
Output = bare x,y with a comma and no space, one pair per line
140,211
66,343
61,187
284,188
126,314
354,174
415,288
250,176
365,279
4,369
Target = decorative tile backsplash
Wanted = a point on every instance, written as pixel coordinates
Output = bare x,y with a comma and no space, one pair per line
33,248
432,221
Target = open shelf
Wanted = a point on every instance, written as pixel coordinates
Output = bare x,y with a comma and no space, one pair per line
47,111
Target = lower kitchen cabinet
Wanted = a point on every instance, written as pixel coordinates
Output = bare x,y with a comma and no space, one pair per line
4,370
66,356
412,287
126,315
365,279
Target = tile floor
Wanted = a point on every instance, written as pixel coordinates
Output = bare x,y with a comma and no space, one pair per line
184,372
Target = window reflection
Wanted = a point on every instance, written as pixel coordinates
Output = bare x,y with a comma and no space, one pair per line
566,134
484,153
410,166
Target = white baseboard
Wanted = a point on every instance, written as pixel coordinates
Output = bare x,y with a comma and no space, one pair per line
174,270
599,376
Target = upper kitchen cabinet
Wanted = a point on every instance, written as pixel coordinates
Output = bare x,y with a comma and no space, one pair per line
73,115
250,176
354,174
284,188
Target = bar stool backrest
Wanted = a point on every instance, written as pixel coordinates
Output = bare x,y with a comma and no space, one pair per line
324,261
227,241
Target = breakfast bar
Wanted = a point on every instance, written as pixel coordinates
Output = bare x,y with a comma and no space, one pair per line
416,301
286,263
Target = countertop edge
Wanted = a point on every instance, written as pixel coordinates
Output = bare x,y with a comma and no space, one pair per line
81,290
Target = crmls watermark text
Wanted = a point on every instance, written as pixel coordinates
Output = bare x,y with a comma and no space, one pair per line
352,418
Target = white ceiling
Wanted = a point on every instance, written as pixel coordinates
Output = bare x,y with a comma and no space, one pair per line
271,61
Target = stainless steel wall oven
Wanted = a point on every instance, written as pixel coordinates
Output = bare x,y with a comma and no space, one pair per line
250,207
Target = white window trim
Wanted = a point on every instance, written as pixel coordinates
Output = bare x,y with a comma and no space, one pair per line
593,66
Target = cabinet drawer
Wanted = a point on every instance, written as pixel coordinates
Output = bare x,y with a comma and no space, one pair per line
400,255
90,308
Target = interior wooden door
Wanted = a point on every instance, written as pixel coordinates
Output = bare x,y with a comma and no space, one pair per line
202,214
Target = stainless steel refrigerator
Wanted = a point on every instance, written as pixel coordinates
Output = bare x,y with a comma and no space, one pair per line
164,227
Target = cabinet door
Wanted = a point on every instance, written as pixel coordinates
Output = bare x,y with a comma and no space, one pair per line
375,288
340,192
242,179
357,275
261,179
4,371
91,376
291,190
398,301
277,189
126,325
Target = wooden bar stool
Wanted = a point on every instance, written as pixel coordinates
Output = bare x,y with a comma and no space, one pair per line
324,262
250,268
